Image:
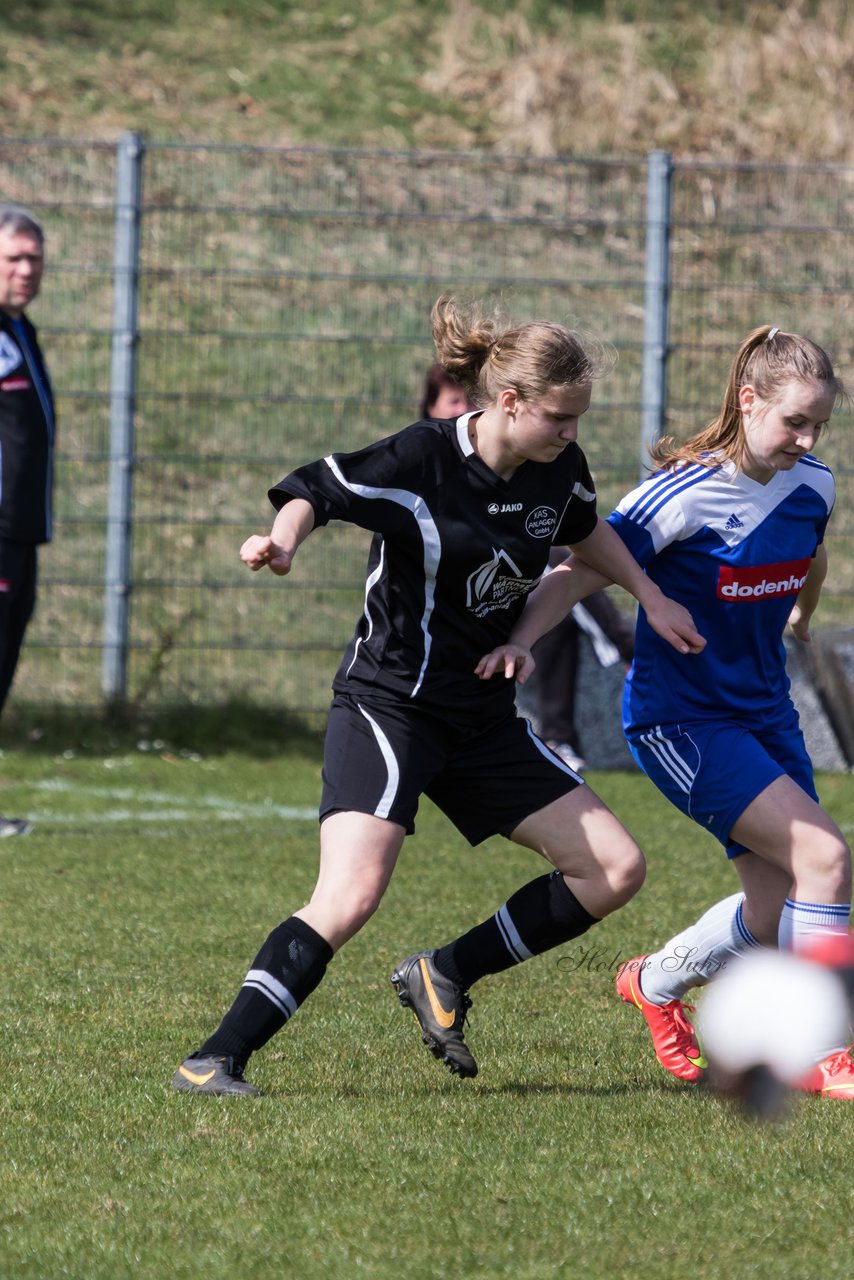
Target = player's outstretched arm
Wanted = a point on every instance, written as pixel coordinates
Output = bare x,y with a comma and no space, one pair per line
549,602
808,596
605,550
277,549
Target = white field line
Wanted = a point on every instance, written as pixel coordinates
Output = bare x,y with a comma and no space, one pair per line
160,806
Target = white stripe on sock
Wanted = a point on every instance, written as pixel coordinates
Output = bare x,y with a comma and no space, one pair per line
510,936
275,992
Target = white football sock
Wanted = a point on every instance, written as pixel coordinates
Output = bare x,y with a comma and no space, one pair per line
804,922
699,953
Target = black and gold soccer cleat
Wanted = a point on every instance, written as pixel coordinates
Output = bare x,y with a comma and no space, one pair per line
440,1009
212,1073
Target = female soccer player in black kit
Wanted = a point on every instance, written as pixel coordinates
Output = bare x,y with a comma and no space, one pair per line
464,513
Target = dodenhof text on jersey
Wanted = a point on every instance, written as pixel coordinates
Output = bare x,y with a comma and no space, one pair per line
752,583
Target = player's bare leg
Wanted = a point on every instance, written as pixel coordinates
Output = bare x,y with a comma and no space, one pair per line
357,857
598,866
599,860
358,854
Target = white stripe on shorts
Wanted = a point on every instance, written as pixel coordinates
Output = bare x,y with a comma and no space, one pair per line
550,755
383,809
669,759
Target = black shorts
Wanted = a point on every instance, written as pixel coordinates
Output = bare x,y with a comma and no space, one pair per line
381,758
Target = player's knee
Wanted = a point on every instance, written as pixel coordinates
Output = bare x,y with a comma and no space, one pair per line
626,872
345,913
822,859
826,861
362,908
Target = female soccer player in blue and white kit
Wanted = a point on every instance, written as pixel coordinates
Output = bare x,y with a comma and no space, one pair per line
464,513
732,525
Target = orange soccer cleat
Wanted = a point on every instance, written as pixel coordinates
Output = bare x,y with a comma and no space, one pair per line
673,1036
832,1078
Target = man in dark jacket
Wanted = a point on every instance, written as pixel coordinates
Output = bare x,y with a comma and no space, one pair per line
27,426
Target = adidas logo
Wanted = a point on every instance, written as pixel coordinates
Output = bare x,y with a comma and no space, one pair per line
734,522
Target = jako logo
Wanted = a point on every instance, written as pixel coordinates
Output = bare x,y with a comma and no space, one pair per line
495,510
754,583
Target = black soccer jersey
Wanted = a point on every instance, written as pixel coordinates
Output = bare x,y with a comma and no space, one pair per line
26,434
456,551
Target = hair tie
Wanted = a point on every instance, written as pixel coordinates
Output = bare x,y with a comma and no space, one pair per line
772,334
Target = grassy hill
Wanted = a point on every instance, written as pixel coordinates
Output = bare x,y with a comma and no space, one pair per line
726,79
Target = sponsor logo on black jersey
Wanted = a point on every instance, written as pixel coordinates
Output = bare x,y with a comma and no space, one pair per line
758,581
501,508
495,585
542,522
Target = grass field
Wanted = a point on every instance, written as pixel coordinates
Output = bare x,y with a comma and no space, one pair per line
157,867
164,852
735,78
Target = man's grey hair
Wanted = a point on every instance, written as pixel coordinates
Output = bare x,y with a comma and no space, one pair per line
17,221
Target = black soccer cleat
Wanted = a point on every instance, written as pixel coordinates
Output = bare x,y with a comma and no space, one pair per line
212,1073
15,827
440,1008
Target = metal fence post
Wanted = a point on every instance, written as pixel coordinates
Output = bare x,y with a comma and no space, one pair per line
117,576
656,302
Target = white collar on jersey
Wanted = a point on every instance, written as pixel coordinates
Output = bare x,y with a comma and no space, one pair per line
741,480
463,431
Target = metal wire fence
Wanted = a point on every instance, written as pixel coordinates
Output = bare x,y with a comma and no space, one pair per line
278,308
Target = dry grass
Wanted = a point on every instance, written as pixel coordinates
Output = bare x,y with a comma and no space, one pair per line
720,80
753,81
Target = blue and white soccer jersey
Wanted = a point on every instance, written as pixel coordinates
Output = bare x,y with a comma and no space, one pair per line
712,730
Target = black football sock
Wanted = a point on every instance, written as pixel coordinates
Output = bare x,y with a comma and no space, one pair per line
539,916
286,970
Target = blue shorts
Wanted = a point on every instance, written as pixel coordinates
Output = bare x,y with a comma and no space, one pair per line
713,769
381,757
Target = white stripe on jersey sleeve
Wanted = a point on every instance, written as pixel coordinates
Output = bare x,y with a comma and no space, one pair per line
373,579
675,504
655,507
414,503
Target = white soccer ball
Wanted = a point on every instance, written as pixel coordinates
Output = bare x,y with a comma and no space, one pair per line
773,1009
